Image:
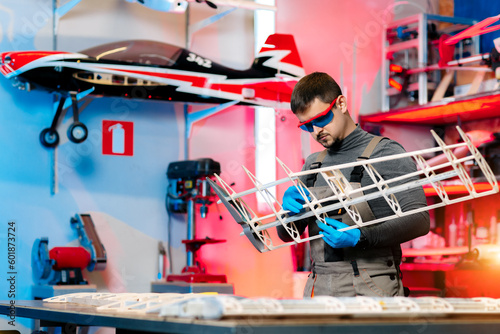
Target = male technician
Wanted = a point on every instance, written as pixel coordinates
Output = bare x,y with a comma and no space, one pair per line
356,262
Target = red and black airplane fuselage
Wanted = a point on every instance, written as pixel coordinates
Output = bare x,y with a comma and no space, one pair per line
154,70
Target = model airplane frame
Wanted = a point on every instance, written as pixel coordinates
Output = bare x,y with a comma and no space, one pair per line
216,307
256,228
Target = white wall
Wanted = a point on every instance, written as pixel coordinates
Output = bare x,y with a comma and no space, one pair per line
125,194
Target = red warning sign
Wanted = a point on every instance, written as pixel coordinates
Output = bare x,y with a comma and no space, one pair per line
117,138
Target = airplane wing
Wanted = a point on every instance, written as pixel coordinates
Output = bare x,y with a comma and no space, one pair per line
171,6
483,27
343,196
246,4
180,6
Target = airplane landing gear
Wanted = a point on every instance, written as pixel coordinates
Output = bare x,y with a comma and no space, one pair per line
49,137
77,132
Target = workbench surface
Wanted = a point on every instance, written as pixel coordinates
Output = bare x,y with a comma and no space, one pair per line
61,314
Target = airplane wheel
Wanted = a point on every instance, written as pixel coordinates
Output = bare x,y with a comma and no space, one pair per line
49,137
77,132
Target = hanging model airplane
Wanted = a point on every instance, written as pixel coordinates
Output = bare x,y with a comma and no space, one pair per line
153,70
176,6
344,196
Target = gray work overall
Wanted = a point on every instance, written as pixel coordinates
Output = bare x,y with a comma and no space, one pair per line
351,271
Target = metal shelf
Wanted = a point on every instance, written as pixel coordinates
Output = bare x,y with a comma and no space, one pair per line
447,111
419,43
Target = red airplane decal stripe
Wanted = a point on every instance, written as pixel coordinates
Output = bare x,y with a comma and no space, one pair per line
287,43
265,90
278,85
273,90
27,57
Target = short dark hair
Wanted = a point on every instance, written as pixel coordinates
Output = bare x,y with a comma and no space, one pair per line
315,85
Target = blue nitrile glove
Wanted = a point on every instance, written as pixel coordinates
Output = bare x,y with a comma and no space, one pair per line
293,200
338,239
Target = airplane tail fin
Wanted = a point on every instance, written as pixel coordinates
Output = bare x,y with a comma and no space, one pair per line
279,56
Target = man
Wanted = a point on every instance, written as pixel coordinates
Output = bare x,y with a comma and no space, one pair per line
356,262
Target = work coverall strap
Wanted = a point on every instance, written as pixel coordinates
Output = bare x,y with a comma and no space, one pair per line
370,147
321,156
363,208
311,178
355,180
357,171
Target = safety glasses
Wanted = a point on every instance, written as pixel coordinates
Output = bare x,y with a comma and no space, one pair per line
320,120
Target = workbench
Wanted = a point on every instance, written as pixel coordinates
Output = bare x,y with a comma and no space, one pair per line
69,316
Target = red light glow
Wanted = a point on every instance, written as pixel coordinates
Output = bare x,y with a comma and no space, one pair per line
395,84
457,189
395,68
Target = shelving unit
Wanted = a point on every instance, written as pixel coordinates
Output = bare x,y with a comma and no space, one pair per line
425,99
407,37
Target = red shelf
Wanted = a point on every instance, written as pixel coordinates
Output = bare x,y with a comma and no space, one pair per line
468,108
457,189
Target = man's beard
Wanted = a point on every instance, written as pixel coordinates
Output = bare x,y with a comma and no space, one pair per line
335,146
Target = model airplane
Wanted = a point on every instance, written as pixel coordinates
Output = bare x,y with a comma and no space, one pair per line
176,6
483,27
154,70
344,196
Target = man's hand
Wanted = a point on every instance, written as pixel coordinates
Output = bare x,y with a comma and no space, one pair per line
338,239
293,200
